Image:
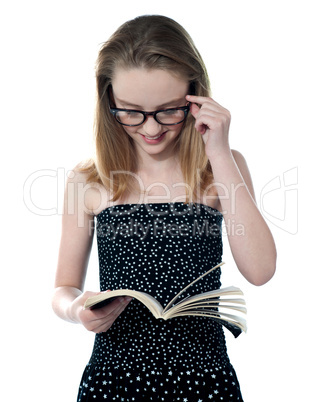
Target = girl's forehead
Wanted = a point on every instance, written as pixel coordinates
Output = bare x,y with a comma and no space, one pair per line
148,88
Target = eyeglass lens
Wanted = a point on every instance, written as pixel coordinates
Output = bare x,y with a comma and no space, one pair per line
170,116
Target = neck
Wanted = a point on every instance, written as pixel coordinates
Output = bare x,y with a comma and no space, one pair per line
153,165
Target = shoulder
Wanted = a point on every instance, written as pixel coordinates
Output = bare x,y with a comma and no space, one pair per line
85,189
239,158
244,170
78,178
85,172
240,161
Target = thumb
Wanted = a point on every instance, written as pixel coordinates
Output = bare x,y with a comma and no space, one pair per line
194,109
201,128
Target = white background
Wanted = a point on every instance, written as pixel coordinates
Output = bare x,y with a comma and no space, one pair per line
263,60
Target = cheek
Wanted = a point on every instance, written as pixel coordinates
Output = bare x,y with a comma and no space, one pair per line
176,129
130,130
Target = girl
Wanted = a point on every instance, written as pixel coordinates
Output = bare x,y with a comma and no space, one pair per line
162,180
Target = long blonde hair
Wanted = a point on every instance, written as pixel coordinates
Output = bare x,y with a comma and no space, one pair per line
151,42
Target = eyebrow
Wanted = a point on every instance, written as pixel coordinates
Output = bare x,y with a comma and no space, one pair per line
164,105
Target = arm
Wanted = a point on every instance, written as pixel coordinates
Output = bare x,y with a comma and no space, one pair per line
74,253
251,241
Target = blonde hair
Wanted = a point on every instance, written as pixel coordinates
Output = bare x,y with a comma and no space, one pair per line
151,42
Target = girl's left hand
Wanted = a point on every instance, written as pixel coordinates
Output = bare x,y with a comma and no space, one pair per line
212,122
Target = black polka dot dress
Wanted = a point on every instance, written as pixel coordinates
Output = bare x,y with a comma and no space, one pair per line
159,249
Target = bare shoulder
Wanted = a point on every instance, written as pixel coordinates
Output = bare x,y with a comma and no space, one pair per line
244,170
89,195
239,158
77,175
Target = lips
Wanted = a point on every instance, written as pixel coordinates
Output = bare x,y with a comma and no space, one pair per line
153,140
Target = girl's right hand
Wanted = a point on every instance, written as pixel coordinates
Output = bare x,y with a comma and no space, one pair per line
101,319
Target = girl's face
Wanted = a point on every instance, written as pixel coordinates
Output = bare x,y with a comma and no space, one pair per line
150,90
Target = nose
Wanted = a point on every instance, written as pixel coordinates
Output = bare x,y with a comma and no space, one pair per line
151,127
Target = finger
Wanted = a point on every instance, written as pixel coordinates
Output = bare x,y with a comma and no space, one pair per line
110,309
201,100
201,127
107,322
194,109
196,112
119,309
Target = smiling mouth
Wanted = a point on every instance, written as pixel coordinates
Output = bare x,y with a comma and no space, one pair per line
154,138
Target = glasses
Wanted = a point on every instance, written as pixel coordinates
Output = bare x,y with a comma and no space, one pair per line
167,117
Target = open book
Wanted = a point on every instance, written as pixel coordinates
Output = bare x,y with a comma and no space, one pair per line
215,304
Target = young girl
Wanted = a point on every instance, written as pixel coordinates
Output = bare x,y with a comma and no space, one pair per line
162,180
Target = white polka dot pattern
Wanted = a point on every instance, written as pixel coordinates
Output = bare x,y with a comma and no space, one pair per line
159,249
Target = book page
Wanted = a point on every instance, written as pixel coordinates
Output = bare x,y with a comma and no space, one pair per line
150,302
190,284
219,316
213,297
203,306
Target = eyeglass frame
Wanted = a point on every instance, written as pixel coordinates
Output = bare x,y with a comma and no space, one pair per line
114,110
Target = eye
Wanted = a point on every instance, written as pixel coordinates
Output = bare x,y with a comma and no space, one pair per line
129,117
170,112
132,113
